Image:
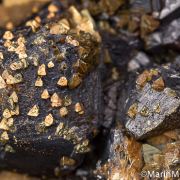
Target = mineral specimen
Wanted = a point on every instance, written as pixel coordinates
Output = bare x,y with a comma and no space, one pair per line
47,112
152,105
122,158
90,91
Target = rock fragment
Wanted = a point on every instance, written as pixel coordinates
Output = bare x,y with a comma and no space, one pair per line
123,157
32,64
152,107
169,8
139,61
164,37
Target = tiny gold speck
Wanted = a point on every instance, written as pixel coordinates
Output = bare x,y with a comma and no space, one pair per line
17,78
6,113
144,111
3,124
42,70
34,111
62,81
75,81
50,64
158,84
45,94
72,41
15,111
2,83
67,101
34,24
10,122
39,82
59,128
133,110
67,161
14,97
157,108
56,100
5,74
48,120
16,65
8,35
21,41
52,8
63,111
79,108
4,136
154,72
1,56
143,78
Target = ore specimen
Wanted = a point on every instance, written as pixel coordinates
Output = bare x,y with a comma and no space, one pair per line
152,105
122,157
89,89
50,101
